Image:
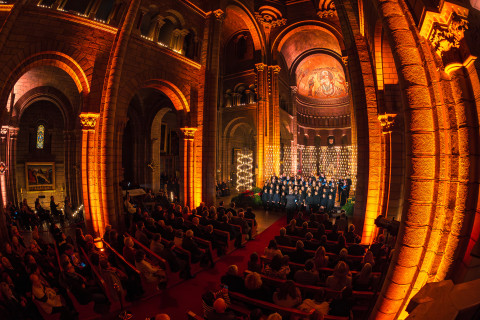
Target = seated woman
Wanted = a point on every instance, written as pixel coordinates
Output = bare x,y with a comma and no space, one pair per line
292,228
276,268
231,279
254,264
321,258
151,274
254,288
287,295
364,279
128,250
340,277
47,298
272,250
299,255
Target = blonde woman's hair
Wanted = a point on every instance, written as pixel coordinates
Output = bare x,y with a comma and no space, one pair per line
253,281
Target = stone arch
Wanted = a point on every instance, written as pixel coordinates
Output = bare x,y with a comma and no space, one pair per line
171,91
252,24
51,58
46,93
286,33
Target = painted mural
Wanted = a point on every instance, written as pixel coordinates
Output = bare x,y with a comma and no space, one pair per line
321,76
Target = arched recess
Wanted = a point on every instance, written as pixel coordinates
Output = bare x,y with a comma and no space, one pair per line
252,25
307,26
52,83
238,133
50,58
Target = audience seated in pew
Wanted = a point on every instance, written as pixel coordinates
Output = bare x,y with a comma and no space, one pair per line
288,295
340,278
254,263
278,267
308,276
152,274
272,250
256,289
232,280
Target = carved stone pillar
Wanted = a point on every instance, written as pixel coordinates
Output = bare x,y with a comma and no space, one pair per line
387,122
293,99
91,201
262,100
9,157
274,115
209,132
188,165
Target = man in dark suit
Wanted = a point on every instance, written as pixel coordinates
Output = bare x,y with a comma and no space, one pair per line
299,255
283,239
225,226
195,227
240,221
196,252
308,276
249,214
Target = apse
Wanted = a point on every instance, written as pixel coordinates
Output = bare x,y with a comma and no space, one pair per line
319,93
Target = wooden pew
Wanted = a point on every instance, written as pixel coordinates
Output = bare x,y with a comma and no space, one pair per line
285,312
229,243
313,289
297,266
193,316
172,277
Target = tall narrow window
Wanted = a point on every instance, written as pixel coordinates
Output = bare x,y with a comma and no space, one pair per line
40,136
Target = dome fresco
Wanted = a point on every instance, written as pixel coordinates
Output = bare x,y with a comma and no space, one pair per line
321,77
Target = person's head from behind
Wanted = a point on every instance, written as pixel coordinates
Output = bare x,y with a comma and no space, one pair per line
276,263
309,265
232,270
366,270
341,270
162,316
299,245
274,316
220,305
254,258
272,244
351,228
343,253
309,236
253,281
128,241
189,234
283,232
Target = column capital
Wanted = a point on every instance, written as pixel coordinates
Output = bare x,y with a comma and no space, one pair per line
9,130
387,121
89,120
275,69
260,66
219,14
188,132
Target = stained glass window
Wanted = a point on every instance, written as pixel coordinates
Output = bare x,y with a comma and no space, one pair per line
40,136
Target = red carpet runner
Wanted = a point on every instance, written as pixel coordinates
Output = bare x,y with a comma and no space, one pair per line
186,296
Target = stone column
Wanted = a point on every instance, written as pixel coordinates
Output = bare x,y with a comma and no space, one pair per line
91,201
387,122
11,158
188,165
274,122
293,98
209,158
262,101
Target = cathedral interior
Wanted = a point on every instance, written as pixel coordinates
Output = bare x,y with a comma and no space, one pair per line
202,101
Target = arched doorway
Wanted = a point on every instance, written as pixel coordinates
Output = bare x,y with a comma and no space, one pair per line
151,144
